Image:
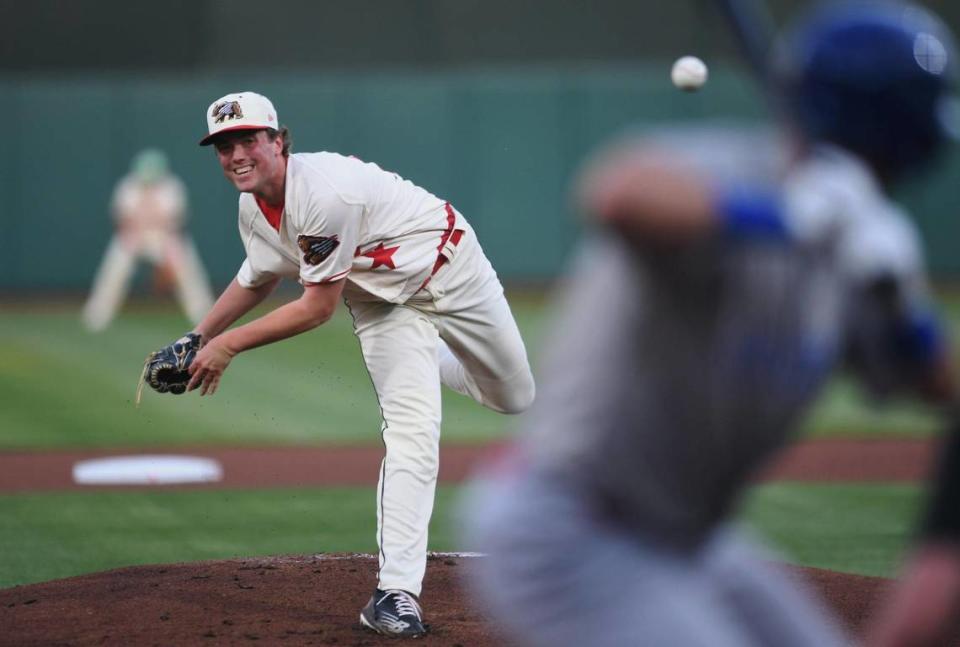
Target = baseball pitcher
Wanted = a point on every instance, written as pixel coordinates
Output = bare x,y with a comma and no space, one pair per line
426,304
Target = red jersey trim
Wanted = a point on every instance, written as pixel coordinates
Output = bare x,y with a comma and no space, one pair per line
451,234
335,277
273,214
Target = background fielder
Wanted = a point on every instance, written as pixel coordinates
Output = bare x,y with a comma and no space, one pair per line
729,274
149,208
426,305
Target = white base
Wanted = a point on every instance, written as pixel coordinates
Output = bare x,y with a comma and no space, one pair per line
147,470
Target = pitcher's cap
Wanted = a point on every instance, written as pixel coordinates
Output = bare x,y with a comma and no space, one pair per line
239,111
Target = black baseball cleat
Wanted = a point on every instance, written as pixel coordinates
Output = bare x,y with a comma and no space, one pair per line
394,613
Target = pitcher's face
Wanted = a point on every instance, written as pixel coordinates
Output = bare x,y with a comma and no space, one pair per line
252,161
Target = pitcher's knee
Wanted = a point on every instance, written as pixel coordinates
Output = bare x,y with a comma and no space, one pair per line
516,396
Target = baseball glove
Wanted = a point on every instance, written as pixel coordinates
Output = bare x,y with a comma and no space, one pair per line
165,370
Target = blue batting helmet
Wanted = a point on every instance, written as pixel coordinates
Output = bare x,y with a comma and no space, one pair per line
874,78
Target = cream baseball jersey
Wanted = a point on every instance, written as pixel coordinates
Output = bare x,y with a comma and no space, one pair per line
381,232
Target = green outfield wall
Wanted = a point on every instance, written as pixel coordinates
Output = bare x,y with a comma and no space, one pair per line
501,145
307,35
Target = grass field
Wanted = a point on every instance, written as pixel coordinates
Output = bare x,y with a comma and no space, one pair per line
63,388
853,528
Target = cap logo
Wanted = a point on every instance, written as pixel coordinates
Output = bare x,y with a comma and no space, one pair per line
226,110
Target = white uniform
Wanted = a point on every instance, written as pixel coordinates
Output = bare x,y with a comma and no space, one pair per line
415,275
149,218
670,379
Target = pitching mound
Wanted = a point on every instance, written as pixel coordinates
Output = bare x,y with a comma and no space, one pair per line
297,600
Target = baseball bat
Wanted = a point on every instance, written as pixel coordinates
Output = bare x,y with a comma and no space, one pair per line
753,29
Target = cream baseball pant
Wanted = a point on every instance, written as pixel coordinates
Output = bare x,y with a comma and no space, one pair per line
458,330
119,262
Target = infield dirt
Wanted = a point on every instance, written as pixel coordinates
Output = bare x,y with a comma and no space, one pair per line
294,600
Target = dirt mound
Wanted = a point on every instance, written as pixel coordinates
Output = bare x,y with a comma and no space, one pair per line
300,600
296,600
850,596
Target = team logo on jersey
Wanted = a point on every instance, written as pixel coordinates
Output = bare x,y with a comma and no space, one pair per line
381,255
316,249
226,110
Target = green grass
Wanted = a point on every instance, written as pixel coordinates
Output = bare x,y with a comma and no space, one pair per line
851,528
49,536
844,410
63,387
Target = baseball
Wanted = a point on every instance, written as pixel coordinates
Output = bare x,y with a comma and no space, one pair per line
689,73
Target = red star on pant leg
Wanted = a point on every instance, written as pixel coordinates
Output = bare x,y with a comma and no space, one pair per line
382,256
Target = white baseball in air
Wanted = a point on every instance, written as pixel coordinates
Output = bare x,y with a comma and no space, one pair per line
689,73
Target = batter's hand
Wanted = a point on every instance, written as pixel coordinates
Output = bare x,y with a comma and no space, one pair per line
209,365
921,610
